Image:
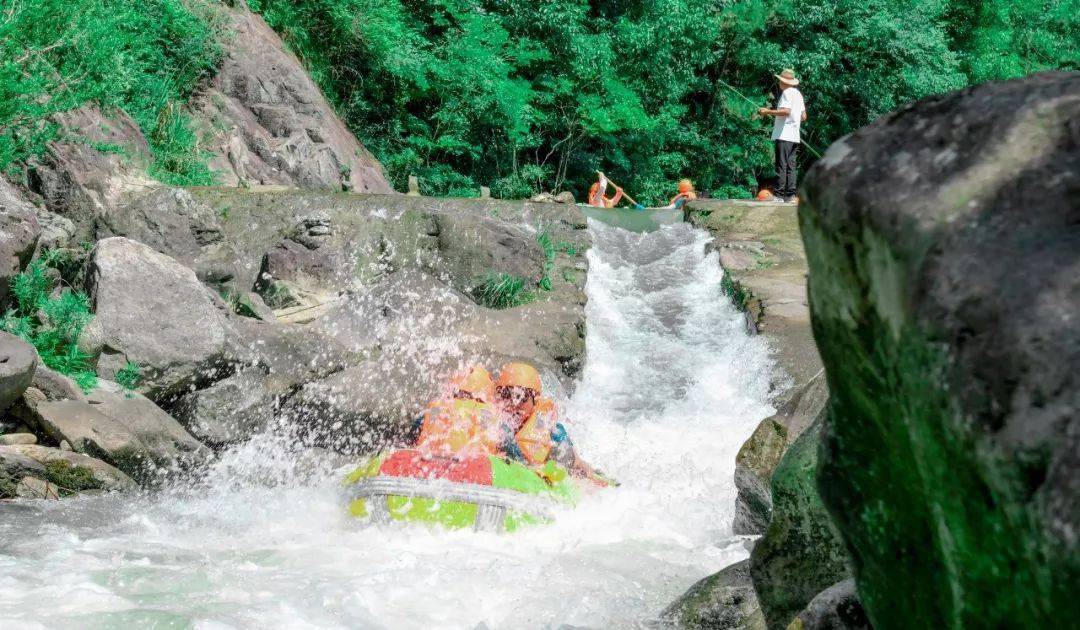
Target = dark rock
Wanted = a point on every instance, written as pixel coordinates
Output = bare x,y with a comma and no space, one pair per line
759,455
172,222
151,310
17,362
835,608
943,243
800,554
78,181
722,601
19,233
267,122
234,409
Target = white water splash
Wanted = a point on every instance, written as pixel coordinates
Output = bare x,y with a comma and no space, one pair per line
672,387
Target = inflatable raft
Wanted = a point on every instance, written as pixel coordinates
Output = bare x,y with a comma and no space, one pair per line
481,492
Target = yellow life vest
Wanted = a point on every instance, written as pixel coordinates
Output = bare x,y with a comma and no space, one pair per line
455,426
534,437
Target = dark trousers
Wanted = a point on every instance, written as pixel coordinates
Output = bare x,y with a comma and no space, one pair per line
787,154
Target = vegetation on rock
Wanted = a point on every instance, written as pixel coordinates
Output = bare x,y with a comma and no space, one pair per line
51,320
503,290
144,57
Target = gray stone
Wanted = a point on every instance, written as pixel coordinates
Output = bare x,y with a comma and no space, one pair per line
54,385
722,601
759,455
267,122
566,197
19,233
11,439
34,488
151,310
234,409
17,362
250,304
944,250
123,428
106,477
172,222
57,232
835,608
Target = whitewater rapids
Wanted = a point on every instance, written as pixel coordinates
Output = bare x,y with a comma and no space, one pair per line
671,388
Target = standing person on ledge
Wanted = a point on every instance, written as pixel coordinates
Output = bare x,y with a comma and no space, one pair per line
790,112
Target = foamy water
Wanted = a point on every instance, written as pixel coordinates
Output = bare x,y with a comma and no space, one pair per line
672,386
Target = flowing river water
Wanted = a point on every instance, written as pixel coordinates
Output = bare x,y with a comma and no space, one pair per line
672,387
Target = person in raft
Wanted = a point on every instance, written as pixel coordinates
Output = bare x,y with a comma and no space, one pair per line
597,191
789,114
686,193
532,432
465,423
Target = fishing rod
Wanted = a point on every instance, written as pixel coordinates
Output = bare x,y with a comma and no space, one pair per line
747,99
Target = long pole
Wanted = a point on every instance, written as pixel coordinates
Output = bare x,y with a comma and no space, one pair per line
744,97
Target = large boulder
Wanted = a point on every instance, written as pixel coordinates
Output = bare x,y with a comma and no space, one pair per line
19,233
151,310
722,601
123,428
944,251
759,455
17,362
172,222
801,553
266,121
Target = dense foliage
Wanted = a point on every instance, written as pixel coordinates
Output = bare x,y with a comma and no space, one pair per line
524,95
141,56
529,95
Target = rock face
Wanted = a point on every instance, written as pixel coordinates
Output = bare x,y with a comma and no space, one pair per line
722,601
800,554
759,456
17,362
268,123
835,608
103,476
19,232
172,222
78,181
944,303
153,311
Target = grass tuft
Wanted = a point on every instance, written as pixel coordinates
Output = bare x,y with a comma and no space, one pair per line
502,290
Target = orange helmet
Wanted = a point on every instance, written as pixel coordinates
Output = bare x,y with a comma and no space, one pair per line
686,186
519,375
478,383
764,195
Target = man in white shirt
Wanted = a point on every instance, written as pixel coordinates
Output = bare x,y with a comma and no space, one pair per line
790,112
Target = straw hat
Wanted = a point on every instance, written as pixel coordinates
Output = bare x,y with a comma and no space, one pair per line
787,76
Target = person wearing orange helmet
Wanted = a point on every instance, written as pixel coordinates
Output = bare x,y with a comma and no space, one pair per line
597,190
686,193
463,424
532,432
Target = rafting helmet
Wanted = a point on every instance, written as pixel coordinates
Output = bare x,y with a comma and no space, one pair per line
478,383
686,186
519,375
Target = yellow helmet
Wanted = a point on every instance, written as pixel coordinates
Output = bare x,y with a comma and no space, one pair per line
478,383
519,375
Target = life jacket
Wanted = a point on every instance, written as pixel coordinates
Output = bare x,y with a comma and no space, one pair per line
680,199
457,427
534,438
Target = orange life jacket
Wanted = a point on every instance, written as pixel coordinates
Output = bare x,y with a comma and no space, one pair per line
534,437
457,427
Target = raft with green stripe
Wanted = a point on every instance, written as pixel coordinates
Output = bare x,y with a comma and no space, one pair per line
485,493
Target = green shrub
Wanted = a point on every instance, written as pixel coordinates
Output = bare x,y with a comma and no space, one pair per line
145,57
502,290
51,322
69,479
130,376
543,238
